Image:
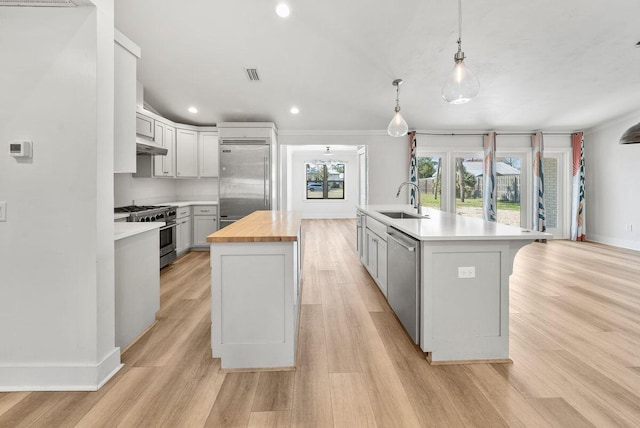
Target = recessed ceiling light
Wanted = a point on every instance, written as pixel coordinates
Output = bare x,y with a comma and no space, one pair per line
294,110
192,110
282,10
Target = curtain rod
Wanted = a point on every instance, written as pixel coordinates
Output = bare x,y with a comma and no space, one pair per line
497,133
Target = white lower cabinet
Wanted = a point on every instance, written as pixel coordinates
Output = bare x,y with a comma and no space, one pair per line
205,222
183,230
375,246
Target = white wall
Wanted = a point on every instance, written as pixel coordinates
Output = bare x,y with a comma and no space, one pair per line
56,249
612,185
388,158
323,208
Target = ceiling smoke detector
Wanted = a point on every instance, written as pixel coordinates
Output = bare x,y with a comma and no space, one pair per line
252,74
38,3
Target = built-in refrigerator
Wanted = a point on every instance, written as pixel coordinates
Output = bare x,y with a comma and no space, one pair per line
244,179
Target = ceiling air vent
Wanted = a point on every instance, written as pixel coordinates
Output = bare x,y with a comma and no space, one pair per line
252,74
38,3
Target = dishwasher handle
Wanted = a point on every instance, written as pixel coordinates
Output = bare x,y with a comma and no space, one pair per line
402,244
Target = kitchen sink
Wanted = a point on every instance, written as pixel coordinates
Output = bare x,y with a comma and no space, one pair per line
402,214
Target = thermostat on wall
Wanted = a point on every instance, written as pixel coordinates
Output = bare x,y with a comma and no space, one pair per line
20,149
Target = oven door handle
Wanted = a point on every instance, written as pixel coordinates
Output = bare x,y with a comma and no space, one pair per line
167,226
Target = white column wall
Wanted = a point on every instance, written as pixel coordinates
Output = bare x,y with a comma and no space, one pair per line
56,248
612,185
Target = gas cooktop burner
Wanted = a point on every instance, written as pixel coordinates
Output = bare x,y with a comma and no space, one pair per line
138,208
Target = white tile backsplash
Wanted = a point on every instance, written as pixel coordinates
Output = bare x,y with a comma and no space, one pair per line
130,190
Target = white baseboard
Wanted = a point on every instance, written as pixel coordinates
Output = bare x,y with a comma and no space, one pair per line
61,377
622,243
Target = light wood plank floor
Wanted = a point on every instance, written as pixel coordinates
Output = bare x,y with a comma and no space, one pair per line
575,344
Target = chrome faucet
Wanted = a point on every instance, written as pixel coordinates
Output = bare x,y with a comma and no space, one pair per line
418,203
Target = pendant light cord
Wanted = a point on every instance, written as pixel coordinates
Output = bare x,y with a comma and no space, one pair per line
459,21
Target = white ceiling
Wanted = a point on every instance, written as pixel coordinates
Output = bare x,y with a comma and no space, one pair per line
556,65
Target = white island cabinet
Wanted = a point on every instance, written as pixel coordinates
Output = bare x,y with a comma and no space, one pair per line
137,279
255,289
464,266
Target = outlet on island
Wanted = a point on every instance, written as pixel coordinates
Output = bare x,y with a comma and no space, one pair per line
466,272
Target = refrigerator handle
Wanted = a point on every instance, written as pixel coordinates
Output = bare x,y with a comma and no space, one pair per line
266,178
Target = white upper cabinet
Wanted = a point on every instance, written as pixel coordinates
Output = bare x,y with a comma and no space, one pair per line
186,153
145,126
126,55
165,135
208,154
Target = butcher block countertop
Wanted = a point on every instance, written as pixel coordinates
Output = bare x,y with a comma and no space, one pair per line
261,226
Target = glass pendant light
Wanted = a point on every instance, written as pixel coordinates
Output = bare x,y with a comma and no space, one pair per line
631,135
463,84
398,126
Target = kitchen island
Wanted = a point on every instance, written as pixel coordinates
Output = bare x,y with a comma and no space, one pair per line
255,290
458,308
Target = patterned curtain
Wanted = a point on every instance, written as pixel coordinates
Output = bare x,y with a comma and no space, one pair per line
538,218
413,166
578,225
489,202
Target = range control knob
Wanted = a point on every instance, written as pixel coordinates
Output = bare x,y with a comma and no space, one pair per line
159,216
142,219
149,218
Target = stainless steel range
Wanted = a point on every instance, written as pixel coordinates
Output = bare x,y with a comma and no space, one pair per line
165,213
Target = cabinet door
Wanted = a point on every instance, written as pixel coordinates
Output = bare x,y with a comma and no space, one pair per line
168,161
179,236
158,161
203,226
382,266
188,241
372,254
208,159
186,153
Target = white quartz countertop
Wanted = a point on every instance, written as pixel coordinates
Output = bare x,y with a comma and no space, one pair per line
439,225
128,229
189,203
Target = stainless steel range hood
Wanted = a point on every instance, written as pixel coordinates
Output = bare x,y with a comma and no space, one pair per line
145,147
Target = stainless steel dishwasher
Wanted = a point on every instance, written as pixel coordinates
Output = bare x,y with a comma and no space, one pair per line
403,280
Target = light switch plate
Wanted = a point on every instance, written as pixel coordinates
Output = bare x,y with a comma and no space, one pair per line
3,211
466,272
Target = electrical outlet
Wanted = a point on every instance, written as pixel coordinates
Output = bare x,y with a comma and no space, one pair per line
466,272
3,211
628,227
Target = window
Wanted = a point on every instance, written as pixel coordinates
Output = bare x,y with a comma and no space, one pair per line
325,180
430,181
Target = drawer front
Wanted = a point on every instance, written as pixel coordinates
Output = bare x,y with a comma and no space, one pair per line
377,227
205,210
183,212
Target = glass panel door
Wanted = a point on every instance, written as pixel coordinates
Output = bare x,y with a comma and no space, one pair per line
430,181
555,170
468,186
509,190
